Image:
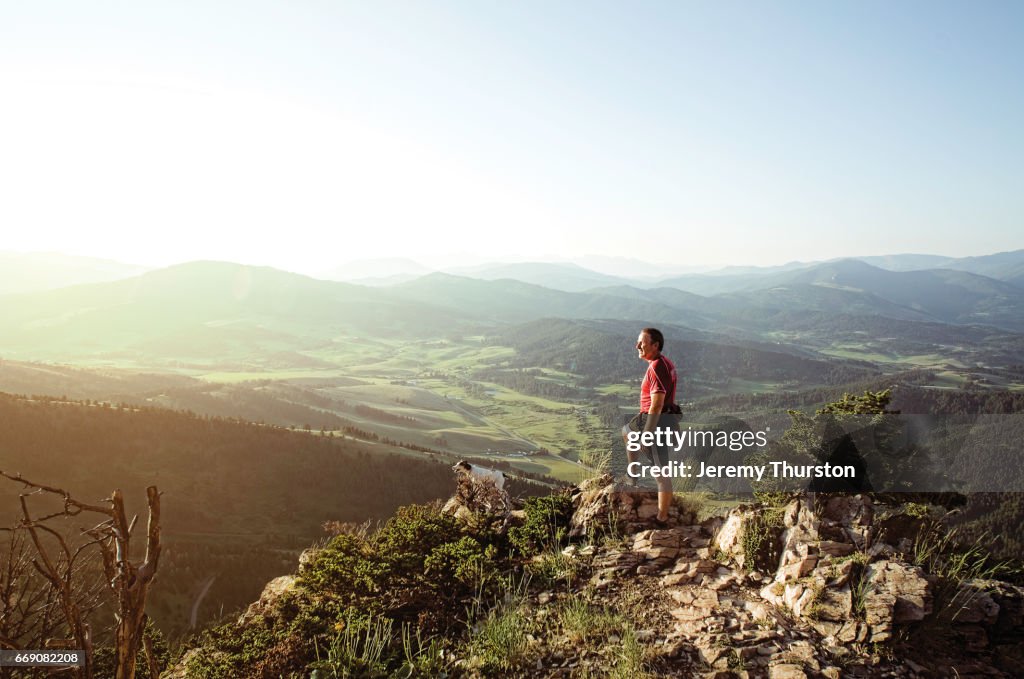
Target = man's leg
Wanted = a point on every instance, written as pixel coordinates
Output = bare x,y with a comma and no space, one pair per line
631,455
661,457
664,497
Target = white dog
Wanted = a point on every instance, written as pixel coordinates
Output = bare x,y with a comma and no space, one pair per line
481,473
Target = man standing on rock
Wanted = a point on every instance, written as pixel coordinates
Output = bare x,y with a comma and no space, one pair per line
657,396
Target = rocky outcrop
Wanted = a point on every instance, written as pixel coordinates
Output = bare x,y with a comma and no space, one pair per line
805,591
827,575
835,585
272,593
987,612
602,506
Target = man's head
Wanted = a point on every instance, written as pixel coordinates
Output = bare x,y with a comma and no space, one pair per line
649,343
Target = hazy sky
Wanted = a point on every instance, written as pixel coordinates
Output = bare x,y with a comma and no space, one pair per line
305,134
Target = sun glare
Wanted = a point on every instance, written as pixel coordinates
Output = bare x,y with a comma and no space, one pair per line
95,166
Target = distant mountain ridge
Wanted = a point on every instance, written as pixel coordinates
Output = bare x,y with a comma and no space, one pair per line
942,294
851,286
558,276
28,272
204,310
1005,266
512,300
225,311
906,262
376,269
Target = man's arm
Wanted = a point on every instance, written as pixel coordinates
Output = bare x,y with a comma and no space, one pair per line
654,412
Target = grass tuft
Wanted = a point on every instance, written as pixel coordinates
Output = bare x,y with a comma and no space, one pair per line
357,649
498,639
629,663
581,620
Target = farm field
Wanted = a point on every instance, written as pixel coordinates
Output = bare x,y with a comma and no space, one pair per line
440,395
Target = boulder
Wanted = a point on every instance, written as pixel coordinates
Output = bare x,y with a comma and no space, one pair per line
834,604
786,671
272,592
601,506
974,604
911,591
729,538
848,510
307,557
798,539
834,548
992,606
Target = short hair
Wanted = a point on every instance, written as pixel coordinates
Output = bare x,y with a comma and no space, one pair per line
655,336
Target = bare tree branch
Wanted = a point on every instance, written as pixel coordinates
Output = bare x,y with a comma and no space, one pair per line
68,501
59,564
151,661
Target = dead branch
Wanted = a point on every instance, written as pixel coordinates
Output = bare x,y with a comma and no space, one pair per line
111,538
68,500
151,661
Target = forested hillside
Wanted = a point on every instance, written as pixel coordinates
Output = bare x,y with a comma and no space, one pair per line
239,499
216,474
596,350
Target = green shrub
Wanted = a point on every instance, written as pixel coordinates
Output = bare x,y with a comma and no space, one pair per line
772,498
408,537
552,568
546,524
417,557
234,649
918,510
459,562
346,568
419,567
760,539
317,616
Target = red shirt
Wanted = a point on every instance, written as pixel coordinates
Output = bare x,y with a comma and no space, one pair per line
659,379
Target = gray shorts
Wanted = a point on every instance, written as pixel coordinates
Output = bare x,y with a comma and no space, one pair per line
658,455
